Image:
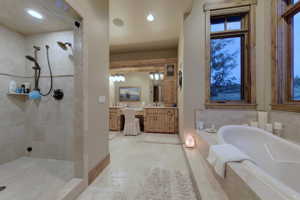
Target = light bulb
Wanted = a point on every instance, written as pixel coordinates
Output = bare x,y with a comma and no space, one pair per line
118,78
35,14
161,76
150,18
151,76
122,78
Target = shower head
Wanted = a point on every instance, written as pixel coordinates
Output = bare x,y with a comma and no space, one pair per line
64,45
32,59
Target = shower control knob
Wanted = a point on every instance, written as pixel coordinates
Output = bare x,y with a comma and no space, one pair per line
29,149
58,94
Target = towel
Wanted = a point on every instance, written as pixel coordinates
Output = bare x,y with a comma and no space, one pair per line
220,155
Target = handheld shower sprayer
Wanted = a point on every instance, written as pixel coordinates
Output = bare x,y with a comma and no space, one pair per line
36,67
32,59
36,94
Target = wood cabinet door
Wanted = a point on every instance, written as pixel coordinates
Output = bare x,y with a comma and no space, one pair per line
169,91
161,121
171,121
150,120
112,124
114,120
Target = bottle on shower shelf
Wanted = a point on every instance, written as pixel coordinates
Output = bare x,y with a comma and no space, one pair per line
12,86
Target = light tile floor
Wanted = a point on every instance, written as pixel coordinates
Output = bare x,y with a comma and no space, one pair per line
34,179
146,167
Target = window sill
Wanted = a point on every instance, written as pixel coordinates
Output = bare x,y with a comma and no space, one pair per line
286,107
242,106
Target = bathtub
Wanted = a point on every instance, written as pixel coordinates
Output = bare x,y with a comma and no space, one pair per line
276,162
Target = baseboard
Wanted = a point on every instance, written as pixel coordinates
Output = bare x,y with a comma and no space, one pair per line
72,189
96,171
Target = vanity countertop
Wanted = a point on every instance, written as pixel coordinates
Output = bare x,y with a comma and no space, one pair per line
160,107
149,107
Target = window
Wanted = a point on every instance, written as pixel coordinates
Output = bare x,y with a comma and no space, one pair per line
226,69
296,59
230,55
226,23
228,64
218,24
286,72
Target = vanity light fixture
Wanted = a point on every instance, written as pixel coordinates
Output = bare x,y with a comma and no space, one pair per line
117,78
35,14
150,18
157,76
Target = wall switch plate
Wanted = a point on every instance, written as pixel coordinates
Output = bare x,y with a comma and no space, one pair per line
102,99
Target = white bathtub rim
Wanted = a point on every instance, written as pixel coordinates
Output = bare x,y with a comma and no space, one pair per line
221,139
272,183
276,186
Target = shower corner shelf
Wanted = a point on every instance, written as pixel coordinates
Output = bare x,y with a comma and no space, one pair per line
21,95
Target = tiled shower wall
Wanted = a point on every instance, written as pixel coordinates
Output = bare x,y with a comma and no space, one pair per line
12,110
50,122
45,125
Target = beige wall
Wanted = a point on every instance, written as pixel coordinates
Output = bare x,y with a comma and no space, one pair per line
95,79
181,67
141,55
12,110
194,66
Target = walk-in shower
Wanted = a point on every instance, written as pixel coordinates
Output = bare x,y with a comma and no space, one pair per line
37,138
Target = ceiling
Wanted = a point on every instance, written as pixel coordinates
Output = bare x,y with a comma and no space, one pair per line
57,14
130,30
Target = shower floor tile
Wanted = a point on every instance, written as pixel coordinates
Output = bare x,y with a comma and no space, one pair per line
33,178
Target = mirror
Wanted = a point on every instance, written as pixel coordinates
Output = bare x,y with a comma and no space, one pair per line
136,88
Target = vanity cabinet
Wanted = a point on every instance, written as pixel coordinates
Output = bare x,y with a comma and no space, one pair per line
115,119
161,120
170,85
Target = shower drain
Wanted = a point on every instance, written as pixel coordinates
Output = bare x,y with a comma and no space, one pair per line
2,188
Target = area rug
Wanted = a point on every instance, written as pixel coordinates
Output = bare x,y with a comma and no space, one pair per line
163,184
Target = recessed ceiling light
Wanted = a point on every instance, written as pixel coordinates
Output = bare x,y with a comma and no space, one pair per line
150,18
35,14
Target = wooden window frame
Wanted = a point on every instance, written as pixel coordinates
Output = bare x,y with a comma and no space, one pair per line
282,55
246,7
